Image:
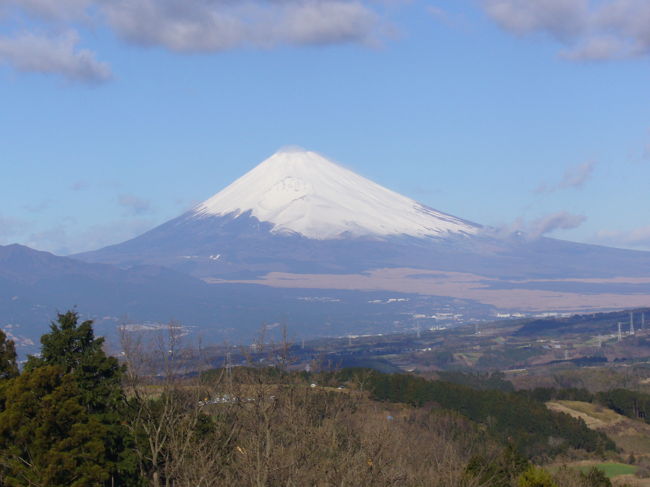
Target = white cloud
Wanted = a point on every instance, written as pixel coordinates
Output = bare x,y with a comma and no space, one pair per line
49,9
194,26
597,49
325,22
59,55
591,30
561,18
216,25
174,24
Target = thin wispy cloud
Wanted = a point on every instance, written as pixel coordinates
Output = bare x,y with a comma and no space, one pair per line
638,238
438,13
79,185
561,220
37,207
133,204
590,30
574,178
54,239
62,239
532,230
10,227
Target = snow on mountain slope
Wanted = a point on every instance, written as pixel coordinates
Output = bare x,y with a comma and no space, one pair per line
300,191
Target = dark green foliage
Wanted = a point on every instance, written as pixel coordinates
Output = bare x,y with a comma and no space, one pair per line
526,423
500,471
478,380
46,435
8,365
500,359
596,478
64,413
75,349
635,405
545,394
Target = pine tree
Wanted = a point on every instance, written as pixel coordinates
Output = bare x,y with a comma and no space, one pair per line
64,414
46,435
8,364
73,347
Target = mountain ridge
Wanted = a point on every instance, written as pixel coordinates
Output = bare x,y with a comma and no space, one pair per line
253,227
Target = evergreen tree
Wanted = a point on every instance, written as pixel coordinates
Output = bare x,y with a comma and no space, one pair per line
8,364
85,423
595,477
46,435
501,471
73,347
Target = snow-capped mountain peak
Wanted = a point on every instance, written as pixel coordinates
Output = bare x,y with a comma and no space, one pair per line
303,192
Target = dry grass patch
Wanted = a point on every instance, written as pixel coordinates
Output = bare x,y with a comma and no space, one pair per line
632,436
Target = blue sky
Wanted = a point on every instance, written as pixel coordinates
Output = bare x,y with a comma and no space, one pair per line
522,114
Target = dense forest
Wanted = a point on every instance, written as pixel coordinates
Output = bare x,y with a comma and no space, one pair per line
525,422
75,416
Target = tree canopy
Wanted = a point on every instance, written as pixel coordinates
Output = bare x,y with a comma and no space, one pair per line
60,420
8,364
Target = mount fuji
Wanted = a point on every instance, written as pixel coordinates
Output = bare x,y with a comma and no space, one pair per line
301,192
298,220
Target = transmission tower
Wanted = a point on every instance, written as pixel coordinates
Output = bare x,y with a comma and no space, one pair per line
643,320
228,367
